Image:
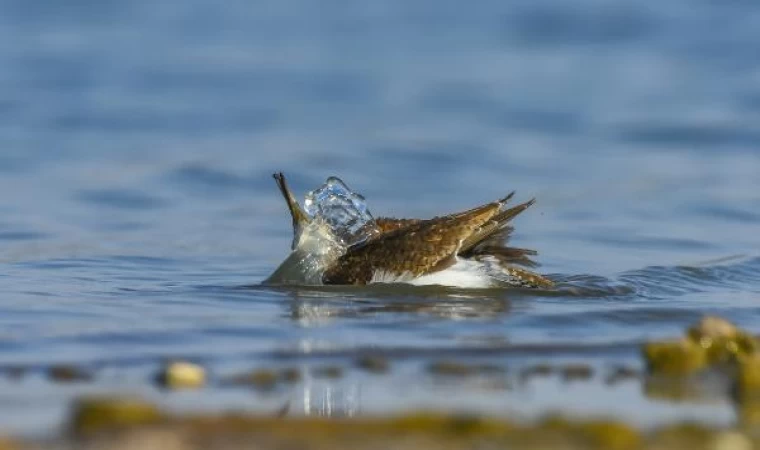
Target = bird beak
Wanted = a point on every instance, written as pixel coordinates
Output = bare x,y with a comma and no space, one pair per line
300,218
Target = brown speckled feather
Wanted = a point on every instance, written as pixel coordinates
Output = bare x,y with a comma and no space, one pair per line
386,224
419,248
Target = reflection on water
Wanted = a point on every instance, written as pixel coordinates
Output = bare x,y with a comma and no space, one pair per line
311,312
326,399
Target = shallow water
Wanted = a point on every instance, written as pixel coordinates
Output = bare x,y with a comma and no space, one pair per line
138,215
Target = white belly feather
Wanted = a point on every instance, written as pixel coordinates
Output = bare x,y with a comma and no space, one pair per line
463,273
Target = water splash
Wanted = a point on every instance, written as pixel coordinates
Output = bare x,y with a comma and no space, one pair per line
344,211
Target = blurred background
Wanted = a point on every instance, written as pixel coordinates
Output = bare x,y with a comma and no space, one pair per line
138,139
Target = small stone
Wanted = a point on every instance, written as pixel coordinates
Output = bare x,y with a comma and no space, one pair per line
290,375
575,372
68,374
450,368
182,375
327,372
263,379
538,370
374,364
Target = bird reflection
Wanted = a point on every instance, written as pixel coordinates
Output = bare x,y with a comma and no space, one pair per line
328,399
320,307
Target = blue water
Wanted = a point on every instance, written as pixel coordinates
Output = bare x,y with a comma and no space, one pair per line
138,214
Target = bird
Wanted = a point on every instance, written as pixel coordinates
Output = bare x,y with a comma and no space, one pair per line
466,249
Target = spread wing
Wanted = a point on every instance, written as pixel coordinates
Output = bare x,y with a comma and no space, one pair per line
410,248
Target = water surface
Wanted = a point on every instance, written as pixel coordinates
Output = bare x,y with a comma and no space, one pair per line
138,215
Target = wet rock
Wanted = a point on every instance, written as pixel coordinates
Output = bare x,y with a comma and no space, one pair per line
333,372
374,364
265,379
538,370
181,375
290,375
262,379
450,368
96,414
68,374
576,372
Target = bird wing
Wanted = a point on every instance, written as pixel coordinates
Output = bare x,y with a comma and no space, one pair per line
412,249
488,239
387,224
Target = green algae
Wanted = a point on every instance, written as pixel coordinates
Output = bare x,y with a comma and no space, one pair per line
711,342
104,413
674,357
111,423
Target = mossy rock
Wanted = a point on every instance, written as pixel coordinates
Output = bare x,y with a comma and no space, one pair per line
674,357
722,340
97,414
